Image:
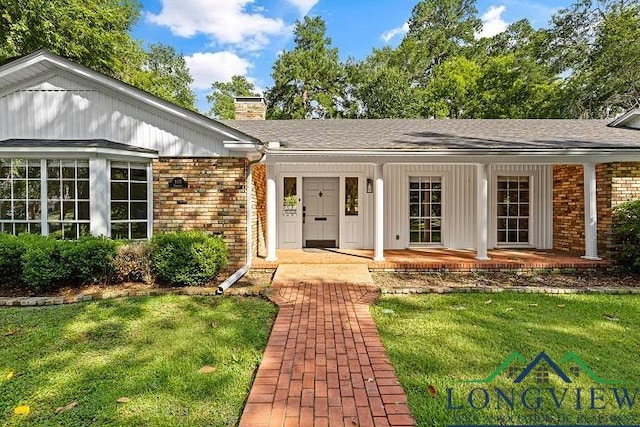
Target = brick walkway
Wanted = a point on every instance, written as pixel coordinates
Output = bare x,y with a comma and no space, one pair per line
325,364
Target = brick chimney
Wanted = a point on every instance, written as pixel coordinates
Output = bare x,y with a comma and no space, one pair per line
250,108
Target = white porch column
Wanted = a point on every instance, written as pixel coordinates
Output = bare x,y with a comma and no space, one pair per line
272,215
98,191
378,232
482,219
590,213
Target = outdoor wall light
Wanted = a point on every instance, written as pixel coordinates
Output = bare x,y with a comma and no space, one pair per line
369,185
178,183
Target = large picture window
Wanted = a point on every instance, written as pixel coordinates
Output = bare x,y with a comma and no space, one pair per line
425,209
68,198
20,196
129,201
513,209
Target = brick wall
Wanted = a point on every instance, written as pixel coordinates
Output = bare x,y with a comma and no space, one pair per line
215,200
616,183
259,220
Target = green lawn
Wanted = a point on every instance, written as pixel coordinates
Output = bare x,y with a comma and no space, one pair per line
149,350
440,340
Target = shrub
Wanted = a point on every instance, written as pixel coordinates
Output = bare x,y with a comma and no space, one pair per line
626,234
11,250
42,264
132,262
90,259
187,258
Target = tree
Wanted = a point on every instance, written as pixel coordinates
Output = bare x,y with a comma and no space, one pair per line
223,93
165,74
94,33
438,29
596,44
453,88
308,80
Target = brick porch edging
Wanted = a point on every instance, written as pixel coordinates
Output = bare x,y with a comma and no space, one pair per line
263,293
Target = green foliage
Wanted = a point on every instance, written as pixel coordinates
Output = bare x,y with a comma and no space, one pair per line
90,259
187,258
597,43
308,80
11,251
133,262
626,234
164,73
42,264
222,96
94,33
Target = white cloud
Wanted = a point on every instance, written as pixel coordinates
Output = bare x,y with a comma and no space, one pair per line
225,21
492,22
304,6
209,67
387,36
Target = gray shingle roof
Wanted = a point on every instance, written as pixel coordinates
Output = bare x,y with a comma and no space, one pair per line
404,134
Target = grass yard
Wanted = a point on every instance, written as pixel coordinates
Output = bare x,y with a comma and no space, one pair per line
440,340
147,350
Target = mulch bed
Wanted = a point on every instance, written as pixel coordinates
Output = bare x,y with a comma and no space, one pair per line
507,279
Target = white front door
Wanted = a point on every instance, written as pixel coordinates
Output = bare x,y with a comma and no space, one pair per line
320,212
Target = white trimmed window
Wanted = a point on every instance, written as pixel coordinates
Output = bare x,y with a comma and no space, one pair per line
20,196
129,201
68,198
513,210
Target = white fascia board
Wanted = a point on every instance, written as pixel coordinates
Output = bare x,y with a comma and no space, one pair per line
443,156
241,145
625,118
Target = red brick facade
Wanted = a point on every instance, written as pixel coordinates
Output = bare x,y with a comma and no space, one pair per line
616,183
215,200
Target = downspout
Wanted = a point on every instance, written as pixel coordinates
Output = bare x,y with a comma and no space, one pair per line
243,270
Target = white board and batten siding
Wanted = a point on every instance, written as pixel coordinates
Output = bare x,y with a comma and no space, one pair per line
459,203
355,232
60,106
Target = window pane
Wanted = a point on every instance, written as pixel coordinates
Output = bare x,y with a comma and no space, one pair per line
70,231
34,171
19,211
34,210
68,211
20,228
5,210
83,210
351,196
119,173
53,169
54,210
83,171
5,189
119,230
20,189
55,230
139,230
68,190
139,174
34,189
68,170
83,190
139,210
53,189
138,191
119,191
119,210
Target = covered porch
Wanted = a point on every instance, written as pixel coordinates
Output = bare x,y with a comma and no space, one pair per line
436,259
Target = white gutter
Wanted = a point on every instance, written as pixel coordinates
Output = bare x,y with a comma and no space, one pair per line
231,280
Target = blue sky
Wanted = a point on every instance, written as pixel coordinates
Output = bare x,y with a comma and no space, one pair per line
220,38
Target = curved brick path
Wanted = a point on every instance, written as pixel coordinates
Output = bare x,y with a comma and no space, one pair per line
325,364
